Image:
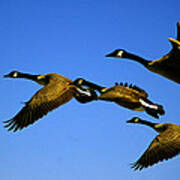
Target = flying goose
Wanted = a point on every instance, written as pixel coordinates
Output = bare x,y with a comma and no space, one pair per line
167,66
57,91
164,146
128,96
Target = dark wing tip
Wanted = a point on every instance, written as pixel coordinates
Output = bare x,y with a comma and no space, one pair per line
138,88
131,86
136,166
11,125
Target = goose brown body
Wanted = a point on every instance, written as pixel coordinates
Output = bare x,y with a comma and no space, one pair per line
128,96
167,66
57,91
164,146
125,96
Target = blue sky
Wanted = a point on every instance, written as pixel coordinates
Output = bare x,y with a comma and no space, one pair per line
71,38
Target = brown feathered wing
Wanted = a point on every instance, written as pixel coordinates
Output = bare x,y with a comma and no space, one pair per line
45,100
163,147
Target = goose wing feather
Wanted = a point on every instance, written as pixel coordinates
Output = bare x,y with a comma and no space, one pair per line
163,147
171,59
45,100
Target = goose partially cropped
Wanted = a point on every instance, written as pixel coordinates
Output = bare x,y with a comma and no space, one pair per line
167,66
166,145
131,97
57,91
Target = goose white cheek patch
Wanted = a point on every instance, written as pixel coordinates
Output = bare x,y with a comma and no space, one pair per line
119,54
15,74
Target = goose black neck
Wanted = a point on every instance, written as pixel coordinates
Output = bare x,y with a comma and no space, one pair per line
93,85
139,59
150,124
27,76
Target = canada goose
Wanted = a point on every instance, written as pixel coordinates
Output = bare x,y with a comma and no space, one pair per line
167,66
131,97
57,91
166,145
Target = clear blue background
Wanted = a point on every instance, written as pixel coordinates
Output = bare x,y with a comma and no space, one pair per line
92,141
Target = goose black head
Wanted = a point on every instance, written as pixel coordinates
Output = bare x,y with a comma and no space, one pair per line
13,74
137,120
118,53
79,82
134,120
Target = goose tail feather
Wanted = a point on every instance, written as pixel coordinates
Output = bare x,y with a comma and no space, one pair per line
152,109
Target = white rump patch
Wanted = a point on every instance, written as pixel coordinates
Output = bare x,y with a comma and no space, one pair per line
148,105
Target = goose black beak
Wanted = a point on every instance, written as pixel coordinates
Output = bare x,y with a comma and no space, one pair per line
109,55
130,121
6,76
133,120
